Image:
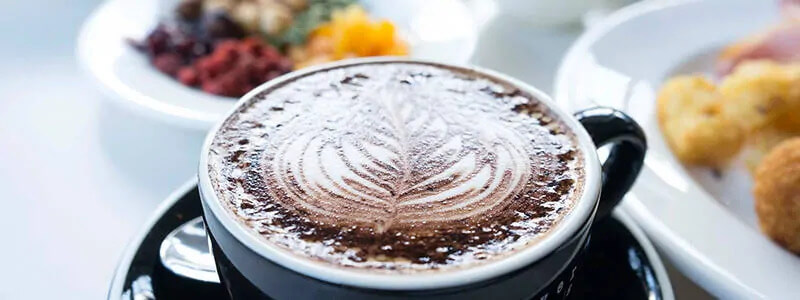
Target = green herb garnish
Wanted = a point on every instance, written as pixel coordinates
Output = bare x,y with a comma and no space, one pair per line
318,12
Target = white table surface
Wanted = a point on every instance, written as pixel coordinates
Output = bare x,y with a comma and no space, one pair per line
78,174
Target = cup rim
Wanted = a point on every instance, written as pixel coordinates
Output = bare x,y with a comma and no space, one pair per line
555,237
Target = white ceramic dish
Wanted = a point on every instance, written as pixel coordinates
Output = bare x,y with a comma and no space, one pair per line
705,225
440,30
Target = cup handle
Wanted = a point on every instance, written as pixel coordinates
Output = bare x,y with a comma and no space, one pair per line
629,145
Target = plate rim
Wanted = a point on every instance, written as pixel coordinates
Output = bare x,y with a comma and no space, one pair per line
711,275
124,95
132,246
149,105
650,251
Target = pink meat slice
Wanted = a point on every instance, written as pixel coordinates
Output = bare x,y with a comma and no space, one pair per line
780,43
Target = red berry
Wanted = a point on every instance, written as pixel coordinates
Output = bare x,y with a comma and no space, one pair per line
261,66
270,53
213,87
273,74
188,76
226,51
168,63
215,66
284,64
234,67
246,88
251,45
202,69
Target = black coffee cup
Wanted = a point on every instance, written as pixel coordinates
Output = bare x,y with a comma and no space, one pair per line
250,268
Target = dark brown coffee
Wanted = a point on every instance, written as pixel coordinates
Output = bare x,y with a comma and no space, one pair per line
396,166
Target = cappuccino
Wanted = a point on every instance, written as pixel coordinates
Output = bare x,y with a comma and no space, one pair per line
396,167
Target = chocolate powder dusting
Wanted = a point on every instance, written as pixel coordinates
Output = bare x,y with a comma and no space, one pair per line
397,166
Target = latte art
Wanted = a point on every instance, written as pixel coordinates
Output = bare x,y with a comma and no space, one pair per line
395,158
398,166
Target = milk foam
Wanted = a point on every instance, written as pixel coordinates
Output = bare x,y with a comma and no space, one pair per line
393,166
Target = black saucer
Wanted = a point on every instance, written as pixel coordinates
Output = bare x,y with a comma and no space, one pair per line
618,266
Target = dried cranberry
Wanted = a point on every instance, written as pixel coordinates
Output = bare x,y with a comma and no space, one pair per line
207,54
225,85
213,87
285,64
272,75
204,72
168,63
185,47
261,66
188,76
226,52
252,46
157,42
270,53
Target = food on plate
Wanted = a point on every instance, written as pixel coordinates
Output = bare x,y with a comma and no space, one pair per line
780,43
227,47
268,17
790,9
707,124
172,45
764,98
235,67
761,93
752,112
760,144
690,116
349,33
281,22
777,194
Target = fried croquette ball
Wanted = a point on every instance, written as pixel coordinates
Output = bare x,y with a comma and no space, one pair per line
761,93
762,142
695,129
777,194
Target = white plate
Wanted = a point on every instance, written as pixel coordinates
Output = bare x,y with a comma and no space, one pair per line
705,226
440,30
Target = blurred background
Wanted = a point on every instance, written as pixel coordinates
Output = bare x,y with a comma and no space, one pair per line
80,174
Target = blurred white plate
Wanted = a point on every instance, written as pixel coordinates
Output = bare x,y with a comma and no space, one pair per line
704,224
440,30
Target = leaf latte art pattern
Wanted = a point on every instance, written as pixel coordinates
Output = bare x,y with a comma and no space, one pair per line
396,167
391,160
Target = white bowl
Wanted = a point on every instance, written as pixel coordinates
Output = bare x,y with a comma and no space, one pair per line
441,30
706,226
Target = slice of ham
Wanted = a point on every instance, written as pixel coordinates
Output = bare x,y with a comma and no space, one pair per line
790,9
780,43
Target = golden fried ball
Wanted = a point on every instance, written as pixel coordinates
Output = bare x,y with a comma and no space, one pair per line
762,142
695,129
761,93
777,194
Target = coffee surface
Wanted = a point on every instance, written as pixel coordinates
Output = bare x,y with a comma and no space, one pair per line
396,166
